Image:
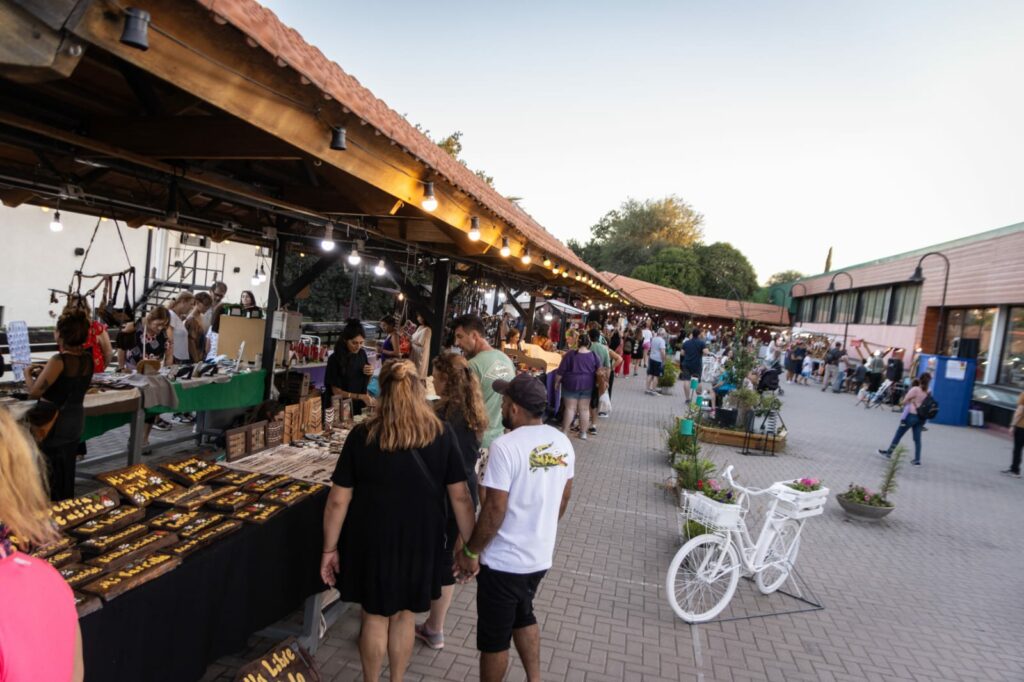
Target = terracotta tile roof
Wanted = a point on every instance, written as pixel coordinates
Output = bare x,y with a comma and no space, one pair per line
671,300
286,44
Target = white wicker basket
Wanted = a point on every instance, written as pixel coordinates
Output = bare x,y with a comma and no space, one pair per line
715,516
796,504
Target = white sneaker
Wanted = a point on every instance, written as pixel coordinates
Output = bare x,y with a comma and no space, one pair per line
583,436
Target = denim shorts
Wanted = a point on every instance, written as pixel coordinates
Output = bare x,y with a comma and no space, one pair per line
576,395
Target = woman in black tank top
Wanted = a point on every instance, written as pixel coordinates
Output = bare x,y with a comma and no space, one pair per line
63,382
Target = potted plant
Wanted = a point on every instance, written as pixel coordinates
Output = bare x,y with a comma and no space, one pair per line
668,377
766,404
744,399
711,489
861,503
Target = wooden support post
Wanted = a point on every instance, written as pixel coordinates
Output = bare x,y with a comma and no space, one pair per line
273,303
531,312
439,306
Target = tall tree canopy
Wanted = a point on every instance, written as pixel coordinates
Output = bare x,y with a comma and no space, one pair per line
784,277
634,233
673,267
722,265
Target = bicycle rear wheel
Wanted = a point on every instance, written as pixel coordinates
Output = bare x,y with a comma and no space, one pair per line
780,558
702,578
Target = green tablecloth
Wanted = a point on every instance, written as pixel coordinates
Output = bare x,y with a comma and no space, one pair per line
244,390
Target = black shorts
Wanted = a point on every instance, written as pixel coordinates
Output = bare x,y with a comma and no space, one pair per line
654,368
504,602
687,373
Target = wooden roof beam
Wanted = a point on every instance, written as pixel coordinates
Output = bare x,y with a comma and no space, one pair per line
191,137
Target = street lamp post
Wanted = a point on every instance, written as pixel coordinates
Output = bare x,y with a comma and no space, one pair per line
832,289
918,277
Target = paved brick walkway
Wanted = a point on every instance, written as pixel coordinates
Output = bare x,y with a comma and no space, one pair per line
934,593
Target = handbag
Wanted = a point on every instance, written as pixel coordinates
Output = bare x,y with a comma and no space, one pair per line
432,484
601,379
41,419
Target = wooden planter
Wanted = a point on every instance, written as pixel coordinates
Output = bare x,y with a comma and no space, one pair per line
710,434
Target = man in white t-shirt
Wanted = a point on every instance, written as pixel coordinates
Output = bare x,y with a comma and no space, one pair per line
529,481
656,361
648,335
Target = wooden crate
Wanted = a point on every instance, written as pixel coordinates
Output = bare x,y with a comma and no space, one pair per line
292,427
257,437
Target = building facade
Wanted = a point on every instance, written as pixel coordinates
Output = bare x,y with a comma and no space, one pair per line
891,304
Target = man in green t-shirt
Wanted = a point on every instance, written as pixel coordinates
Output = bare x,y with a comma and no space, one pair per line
489,365
609,360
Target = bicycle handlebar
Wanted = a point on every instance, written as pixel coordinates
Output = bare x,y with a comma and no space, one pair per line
732,484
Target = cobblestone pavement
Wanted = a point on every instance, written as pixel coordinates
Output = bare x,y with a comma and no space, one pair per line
935,592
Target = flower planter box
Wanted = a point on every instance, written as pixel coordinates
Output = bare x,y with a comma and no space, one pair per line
711,434
798,504
864,512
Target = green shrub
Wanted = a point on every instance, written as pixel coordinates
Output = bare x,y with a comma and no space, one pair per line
689,470
669,375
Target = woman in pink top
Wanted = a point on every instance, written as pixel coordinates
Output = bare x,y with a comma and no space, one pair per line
910,421
39,635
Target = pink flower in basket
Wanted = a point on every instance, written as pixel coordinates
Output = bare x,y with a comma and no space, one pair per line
713,484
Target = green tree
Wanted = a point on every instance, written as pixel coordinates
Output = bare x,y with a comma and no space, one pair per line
784,277
330,294
674,267
634,233
723,264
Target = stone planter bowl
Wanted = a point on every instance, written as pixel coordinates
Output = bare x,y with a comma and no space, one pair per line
864,512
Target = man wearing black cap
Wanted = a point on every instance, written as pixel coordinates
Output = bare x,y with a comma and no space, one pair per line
529,481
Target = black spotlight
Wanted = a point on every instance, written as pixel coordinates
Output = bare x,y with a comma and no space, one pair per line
338,139
136,28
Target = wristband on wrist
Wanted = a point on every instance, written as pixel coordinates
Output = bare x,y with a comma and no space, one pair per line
331,551
469,553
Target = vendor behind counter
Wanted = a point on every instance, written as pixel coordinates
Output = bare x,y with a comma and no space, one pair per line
349,369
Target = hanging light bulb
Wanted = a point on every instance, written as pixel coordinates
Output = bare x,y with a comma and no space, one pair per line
56,225
474,229
46,209
526,256
328,242
579,277
380,270
255,277
547,261
505,250
263,274
565,273
354,258
429,201
554,269
401,296
548,317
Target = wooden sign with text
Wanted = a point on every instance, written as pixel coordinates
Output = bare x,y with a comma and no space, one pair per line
98,544
139,548
286,662
237,478
77,510
231,500
192,470
48,549
139,484
64,557
86,604
292,493
204,538
258,512
198,496
264,484
79,574
132,575
111,521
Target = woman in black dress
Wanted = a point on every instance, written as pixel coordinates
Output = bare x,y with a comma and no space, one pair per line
62,384
462,407
348,369
384,525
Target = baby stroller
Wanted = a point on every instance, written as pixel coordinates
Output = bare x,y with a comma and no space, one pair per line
879,397
769,380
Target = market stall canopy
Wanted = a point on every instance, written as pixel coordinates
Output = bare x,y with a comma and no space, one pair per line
557,305
213,117
668,300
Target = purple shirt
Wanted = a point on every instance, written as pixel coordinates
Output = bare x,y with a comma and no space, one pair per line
577,371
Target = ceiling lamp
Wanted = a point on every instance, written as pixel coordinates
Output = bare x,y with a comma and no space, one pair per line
255,278
548,316
380,270
56,225
554,269
136,28
354,258
578,277
338,141
547,261
526,256
565,273
429,201
505,250
262,274
474,229
328,241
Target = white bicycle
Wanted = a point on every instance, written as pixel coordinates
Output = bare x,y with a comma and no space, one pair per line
703,574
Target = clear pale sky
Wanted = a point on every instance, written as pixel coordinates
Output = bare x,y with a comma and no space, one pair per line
873,127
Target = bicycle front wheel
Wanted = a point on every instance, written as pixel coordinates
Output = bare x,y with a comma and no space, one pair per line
702,578
781,556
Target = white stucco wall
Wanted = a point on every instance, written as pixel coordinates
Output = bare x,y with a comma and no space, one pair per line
33,259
